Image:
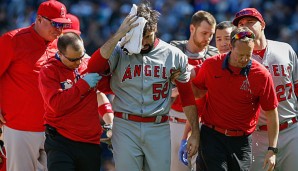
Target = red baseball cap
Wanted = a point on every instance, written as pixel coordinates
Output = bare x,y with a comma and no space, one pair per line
53,10
248,12
74,26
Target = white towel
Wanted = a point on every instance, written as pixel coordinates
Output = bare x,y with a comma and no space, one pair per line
134,36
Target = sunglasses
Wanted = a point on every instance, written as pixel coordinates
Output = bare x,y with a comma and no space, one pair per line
243,34
74,59
246,12
56,24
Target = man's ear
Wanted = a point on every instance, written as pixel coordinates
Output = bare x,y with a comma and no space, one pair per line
38,18
263,24
192,28
230,46
59,53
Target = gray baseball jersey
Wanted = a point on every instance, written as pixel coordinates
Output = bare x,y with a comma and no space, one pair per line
141,82
281,60
177,129
208,52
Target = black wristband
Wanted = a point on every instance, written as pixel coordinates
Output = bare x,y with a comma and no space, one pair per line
274,149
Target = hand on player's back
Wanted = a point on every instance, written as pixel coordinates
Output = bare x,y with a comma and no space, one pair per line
175,75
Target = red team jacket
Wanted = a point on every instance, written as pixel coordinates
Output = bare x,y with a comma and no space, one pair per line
71,106
22,53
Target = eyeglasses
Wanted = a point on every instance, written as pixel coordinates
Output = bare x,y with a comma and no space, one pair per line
246,12
56,24
74,59
243,34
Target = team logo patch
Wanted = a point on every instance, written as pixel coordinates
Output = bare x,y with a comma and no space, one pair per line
66,84
63,12
245,85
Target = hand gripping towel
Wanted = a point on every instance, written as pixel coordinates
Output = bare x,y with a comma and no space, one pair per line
134,36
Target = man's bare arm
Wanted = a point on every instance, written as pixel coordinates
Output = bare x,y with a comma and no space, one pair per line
194,139
107,49
273,130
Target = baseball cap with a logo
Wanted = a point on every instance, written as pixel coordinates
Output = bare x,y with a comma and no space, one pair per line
74,26
248,12
54,11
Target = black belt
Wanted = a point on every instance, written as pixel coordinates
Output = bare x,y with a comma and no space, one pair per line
51,131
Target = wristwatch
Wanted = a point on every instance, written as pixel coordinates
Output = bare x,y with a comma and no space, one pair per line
274,149
108,129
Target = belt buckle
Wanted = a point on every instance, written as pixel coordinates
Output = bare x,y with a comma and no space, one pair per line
258,128
290,123
158,119
174,119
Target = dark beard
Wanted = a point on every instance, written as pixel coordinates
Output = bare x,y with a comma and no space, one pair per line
147,51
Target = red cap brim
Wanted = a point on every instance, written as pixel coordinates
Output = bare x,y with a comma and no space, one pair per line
62,20
71,30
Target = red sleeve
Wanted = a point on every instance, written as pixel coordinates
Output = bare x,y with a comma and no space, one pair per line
296,89
6,52
6,55
186,94
56,99
104,85
97,63
268,98
199,80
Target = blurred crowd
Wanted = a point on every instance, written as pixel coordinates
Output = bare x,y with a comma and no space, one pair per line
100,18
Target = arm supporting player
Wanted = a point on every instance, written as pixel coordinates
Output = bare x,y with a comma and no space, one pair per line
273,127
98,63
105,108
182,154
187,129
190,110
198,93
273,130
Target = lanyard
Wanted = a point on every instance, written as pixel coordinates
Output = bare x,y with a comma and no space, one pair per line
77,74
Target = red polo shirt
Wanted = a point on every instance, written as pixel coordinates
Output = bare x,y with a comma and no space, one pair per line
233,99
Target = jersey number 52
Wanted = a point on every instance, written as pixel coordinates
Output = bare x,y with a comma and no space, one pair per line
160,90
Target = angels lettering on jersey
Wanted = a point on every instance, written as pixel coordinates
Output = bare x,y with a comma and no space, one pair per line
156,71
159,90
284,90
277,70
